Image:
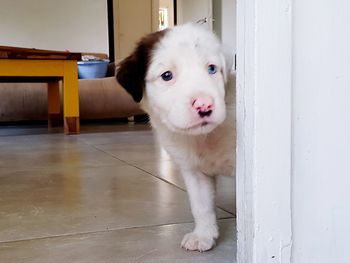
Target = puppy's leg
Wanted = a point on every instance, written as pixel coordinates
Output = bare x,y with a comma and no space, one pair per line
201,191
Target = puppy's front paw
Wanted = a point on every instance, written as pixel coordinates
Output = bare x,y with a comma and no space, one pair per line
195,241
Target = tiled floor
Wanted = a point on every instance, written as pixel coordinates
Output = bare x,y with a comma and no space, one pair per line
109,194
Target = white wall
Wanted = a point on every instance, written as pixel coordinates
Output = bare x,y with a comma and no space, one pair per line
224,13
76,25
263,100
321,131
293,128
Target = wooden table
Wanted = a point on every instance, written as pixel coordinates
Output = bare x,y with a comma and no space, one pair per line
33,65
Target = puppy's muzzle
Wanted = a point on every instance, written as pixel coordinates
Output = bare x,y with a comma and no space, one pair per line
204,106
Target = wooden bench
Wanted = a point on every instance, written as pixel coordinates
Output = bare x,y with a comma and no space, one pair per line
34,65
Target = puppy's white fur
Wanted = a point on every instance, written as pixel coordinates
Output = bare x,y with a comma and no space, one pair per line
201,149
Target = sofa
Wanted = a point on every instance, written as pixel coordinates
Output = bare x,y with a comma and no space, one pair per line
101,98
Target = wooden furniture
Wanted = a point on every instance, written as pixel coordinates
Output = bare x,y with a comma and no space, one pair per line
33,65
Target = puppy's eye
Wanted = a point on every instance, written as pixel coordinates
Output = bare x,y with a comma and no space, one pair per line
212,69
167,75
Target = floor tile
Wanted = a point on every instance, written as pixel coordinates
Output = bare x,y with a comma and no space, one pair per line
49,202
132,137
135,153
147,244
15,130
109,194
53,155
166,170
226,193
39,141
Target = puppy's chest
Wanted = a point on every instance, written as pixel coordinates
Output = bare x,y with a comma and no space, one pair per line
211,158
214,162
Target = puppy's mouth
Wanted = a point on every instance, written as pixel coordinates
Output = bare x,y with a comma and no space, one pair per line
198,128
202,124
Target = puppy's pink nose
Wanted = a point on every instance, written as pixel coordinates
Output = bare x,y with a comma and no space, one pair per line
204,106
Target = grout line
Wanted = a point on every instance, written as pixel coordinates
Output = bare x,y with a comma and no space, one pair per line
105,231
178,187
117,229
133,165
225,210
156,177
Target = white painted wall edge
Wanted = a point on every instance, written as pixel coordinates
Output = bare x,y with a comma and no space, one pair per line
264,108
80,25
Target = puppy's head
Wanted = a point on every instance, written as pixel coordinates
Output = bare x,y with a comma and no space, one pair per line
178,75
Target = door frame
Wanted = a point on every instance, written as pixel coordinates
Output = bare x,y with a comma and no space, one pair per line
110,22
264,131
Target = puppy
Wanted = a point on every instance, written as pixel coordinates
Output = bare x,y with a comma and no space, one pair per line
178,76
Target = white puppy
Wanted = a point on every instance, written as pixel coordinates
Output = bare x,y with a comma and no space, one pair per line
178,75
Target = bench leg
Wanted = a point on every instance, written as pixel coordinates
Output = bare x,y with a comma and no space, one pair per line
71,125
71,98
54,107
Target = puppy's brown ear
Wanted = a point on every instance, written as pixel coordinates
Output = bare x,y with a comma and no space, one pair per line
131,72
130,76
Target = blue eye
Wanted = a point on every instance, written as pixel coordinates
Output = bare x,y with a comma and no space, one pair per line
212,69
167,75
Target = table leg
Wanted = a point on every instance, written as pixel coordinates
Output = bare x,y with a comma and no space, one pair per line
54,107
71,98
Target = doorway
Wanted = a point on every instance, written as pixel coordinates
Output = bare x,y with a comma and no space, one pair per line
167,15
218,15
